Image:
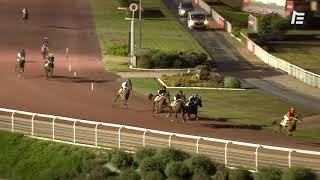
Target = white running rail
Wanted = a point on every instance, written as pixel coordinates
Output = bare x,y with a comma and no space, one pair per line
109,135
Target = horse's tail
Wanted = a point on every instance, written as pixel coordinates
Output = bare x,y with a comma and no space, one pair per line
275,122
150,96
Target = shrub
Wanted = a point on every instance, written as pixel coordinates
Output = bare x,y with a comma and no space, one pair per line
279,25
150,164
221,173
177,169
268,174
264,23
144,58
164,59
143,153
99,173
200,163
239,174
193,58
202,71
120,159
154,175
118,50
129,174
298,174
216,77
200,175
169,154
231,82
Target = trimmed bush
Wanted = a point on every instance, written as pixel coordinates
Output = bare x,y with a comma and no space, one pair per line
200,175
268,174
154,175
231,82
193,58
164,59
169,154
118,50
129,174
239,174
144,58
297,173
120,159
150,164
99,173
177,169
143,153
221,173
200,164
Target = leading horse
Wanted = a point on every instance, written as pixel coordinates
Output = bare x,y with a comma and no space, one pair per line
124,94
192,108
291,126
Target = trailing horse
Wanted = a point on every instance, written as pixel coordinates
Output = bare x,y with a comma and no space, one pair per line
177,107
192,108
20,67
48,70
291,125
25,16
159,102
124,94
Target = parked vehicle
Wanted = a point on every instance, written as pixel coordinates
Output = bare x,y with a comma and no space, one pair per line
184,6
197,19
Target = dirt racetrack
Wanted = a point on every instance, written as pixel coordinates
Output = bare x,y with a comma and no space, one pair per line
68,24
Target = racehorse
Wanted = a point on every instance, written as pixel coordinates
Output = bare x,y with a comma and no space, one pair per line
48,70
44,53
291,126
159,102
176,107
124,94
192,108
25,16
20,67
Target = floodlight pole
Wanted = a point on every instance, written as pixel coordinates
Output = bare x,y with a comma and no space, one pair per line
140,34
132,36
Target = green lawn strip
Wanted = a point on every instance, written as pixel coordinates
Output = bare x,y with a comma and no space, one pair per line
163,33
302,53
116,63
250,107
25,158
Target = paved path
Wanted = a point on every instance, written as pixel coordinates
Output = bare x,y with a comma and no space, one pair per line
245,65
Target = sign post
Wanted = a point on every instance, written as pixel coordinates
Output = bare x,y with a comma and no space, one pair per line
133,7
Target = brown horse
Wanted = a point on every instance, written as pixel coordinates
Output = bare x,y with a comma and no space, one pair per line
159,102
177,107
20,67
48,70
291,126
124,94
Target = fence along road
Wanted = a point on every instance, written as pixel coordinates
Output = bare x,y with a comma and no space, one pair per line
107,135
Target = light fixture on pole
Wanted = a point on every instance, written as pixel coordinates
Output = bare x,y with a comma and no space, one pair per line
133,7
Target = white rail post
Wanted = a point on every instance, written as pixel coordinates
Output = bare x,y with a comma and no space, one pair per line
32,124
289,158
226,153
12,121
53,127
257,156
96,134
170,139
144,138
74,131
197,145
120,136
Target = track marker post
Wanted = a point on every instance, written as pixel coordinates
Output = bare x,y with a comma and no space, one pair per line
92,86
70,68
75,74
67,55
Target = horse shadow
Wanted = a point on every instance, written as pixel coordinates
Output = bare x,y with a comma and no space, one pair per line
78,79
236,126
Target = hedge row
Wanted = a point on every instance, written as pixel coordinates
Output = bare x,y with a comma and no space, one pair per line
192,80
172,59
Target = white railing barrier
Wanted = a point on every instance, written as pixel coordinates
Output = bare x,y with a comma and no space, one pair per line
200,141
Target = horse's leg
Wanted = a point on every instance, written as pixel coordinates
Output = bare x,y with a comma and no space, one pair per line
115,100
153,106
